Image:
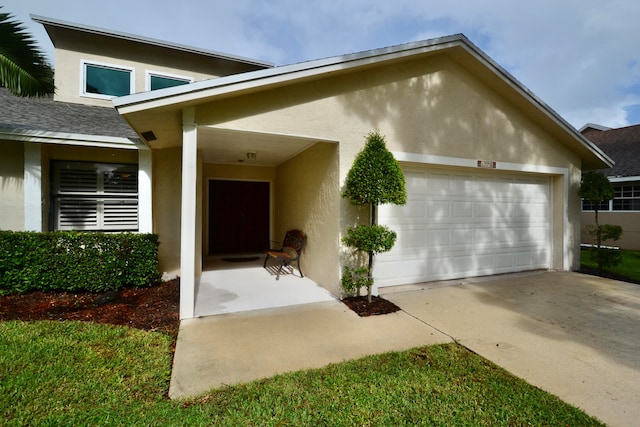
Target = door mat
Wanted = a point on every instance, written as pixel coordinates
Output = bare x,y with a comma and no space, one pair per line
241,259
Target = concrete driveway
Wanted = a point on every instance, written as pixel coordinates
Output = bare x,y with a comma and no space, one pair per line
573,335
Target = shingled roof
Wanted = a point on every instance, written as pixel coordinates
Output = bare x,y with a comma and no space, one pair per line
622,145
45,114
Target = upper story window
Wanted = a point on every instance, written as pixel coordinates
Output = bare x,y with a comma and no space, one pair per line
162,80
106,81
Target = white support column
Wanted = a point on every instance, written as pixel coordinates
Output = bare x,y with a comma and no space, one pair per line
32,187
188,214
145,201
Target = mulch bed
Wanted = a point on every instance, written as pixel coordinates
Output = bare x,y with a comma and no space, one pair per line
364,308
153,308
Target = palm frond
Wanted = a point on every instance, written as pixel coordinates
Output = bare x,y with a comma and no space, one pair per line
23,67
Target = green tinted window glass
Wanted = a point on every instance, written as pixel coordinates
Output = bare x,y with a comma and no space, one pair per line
107,81
161,82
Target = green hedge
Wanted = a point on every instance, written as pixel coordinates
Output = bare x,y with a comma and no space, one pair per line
72,261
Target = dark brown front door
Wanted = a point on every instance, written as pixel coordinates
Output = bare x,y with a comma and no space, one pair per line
238,216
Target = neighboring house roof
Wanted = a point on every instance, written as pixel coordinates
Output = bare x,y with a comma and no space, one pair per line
593,126
52,26
136,108
622,145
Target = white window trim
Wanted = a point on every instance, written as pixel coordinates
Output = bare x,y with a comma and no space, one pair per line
83,80
152,73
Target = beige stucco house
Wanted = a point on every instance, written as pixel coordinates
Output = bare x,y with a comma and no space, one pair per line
229,161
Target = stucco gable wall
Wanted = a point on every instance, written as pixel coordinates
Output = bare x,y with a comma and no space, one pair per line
429,106
12,186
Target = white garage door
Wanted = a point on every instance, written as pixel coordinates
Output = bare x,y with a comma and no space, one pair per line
463,224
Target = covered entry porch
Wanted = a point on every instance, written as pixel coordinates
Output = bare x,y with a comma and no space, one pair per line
299,174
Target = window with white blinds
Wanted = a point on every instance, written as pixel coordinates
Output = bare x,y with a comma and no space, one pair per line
95,196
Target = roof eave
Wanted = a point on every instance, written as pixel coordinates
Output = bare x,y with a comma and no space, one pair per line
150,41
64,138
601,161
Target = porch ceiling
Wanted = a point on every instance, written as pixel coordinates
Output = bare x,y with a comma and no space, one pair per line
231,146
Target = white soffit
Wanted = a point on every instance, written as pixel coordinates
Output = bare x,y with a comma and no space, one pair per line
229,146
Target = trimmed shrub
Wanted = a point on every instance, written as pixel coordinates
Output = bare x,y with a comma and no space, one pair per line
375,178
73,261
370,238
353,279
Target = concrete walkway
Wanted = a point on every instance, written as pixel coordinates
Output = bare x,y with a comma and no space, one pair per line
234,348
573,335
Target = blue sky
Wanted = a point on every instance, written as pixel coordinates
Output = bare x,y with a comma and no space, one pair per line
581,57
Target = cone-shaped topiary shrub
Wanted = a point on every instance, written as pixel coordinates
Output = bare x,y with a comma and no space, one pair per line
375,178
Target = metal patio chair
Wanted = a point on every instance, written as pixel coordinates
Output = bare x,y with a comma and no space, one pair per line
290,251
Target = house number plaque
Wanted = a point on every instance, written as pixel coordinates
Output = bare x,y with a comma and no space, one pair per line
487,164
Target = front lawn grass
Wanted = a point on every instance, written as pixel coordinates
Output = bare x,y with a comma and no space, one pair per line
73,373
629,267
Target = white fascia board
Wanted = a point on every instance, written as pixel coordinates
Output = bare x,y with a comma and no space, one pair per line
623,178
81,140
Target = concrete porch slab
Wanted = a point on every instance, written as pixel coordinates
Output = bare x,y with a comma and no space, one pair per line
231,287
